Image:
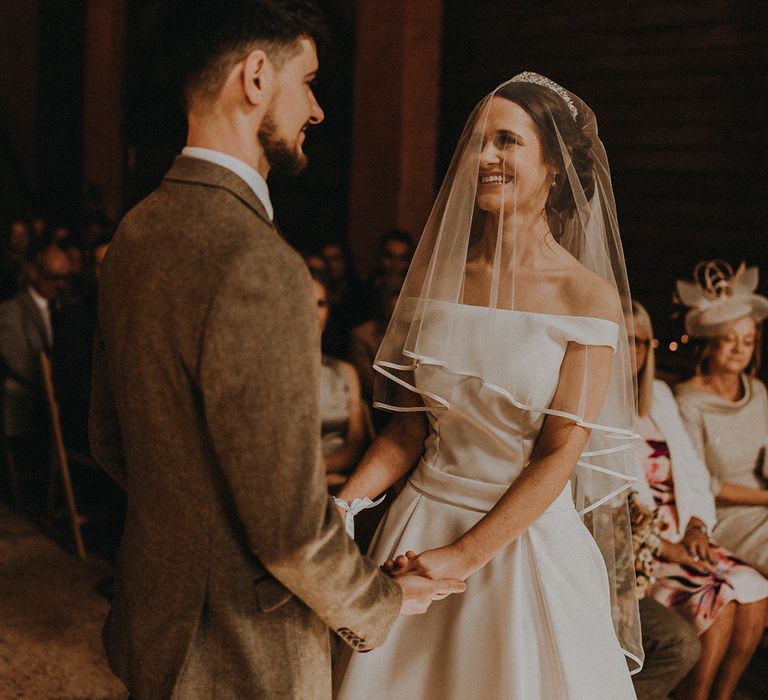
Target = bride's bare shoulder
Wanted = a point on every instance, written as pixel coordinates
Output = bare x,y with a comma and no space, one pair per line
589,294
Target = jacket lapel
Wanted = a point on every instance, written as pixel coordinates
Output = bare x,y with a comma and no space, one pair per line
32,313
203,172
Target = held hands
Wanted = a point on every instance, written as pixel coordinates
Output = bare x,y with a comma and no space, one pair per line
431,575
441,563
419,592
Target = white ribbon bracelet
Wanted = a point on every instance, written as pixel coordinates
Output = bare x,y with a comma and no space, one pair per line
353,509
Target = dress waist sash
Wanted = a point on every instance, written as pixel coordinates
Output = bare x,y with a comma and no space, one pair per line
468,493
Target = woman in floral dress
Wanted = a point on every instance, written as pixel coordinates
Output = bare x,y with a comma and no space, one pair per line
724,599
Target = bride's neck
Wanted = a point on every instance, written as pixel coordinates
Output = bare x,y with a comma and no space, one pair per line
526,239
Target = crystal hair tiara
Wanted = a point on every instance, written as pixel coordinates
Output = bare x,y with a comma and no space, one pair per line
537,79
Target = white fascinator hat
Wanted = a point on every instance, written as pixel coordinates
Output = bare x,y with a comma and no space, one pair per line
719,295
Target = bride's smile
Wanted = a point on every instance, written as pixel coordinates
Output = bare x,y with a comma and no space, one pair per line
513,176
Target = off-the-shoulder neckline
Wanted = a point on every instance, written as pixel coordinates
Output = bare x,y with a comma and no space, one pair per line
528,313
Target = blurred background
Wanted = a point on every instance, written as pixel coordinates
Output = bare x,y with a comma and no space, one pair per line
90,119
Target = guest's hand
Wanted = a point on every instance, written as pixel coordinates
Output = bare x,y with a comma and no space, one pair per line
677,553
443,562
697,544
419,592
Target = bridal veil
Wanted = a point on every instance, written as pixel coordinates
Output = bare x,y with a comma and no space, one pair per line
580,217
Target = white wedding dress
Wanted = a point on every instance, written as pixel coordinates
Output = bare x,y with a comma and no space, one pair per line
535,622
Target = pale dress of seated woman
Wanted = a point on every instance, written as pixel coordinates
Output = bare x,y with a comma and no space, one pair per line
725,409
342,413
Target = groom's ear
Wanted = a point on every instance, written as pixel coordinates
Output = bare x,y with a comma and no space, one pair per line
258,78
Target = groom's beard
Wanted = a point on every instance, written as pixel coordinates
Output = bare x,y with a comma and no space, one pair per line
283,158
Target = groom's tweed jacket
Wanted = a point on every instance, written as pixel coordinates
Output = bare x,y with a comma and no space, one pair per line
205,409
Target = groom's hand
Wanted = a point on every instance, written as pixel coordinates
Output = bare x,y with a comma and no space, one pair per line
419,592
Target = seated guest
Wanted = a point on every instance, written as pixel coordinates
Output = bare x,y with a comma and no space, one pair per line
38,229
725,407
339,269
61,233
345,295
395,253
341,406
26,328
366,338
670,643
315,262
78,282
393,259
724,599
18,238
96,227
13,256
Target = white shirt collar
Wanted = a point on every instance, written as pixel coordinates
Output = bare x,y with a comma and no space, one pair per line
39,299
250,175
45,311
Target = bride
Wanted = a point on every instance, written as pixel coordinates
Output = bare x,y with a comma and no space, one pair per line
507,363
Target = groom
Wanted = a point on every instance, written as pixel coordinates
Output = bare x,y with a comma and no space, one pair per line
233,562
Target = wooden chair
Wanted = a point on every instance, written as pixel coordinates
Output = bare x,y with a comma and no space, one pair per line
60,460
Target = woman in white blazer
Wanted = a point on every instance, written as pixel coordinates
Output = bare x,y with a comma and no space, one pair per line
724,599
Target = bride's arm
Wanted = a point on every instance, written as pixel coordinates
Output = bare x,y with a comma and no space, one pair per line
585,369
391,455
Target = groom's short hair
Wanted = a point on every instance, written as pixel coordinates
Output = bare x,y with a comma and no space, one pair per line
208,37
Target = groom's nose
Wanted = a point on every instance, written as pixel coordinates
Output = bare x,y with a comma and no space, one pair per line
316,115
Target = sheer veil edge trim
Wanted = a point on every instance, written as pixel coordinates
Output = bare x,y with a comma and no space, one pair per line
379,366
611,432
634,658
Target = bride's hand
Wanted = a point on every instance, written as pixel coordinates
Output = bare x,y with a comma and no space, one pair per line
443,562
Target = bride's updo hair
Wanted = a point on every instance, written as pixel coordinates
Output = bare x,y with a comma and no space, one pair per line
544,105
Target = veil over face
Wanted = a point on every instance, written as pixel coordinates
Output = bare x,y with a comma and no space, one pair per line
525,225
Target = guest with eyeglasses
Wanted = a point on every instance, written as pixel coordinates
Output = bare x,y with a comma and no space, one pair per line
724,599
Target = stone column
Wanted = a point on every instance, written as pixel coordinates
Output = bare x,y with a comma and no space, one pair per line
103,129
396,110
